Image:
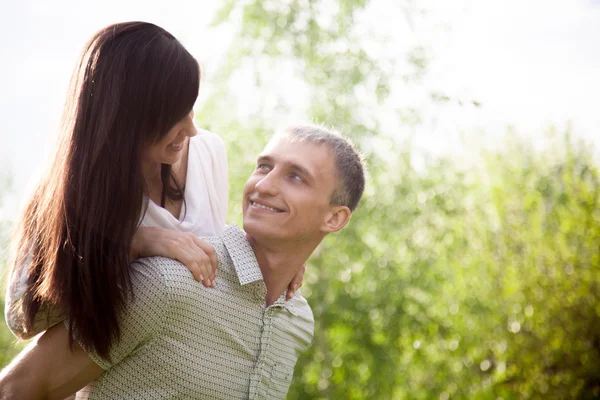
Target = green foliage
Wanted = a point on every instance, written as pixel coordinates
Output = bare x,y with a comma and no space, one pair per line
454,284
547,243
448,283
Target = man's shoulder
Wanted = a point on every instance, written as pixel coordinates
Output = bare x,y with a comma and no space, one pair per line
168,270
160,263
300,307
231,249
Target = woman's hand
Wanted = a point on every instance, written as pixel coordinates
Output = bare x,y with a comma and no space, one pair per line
295,283
197,255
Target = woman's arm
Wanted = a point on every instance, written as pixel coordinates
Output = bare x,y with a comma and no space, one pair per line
48,369
196,254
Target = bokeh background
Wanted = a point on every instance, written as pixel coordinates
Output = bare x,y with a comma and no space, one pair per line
471,268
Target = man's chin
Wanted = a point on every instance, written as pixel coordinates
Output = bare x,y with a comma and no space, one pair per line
252,227
258,229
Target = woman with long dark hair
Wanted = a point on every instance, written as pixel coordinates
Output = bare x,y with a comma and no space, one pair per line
128,179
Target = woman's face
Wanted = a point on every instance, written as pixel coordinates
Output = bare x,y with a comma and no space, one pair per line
169,149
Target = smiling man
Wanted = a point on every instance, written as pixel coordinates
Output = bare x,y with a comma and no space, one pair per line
240,340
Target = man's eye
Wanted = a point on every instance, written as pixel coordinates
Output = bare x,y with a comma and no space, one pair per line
296,177
263,167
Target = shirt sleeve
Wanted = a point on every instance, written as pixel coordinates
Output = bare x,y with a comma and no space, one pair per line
143,319
13,307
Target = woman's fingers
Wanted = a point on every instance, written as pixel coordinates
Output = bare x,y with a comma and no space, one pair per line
187,257
196,254
203,262
296,283
209,251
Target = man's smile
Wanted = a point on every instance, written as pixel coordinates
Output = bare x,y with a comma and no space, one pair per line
264,206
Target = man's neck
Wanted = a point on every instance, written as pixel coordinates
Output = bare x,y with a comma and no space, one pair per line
279,264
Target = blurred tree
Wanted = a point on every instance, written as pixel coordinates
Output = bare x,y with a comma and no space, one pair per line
545,249
448,283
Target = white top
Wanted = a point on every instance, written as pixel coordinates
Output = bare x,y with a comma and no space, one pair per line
205,195
180,340
205,206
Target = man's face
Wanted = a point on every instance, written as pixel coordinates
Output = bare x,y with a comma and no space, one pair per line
287,196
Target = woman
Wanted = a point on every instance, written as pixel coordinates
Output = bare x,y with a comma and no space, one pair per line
127,180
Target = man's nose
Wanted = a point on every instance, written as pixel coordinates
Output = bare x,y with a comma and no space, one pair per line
268,184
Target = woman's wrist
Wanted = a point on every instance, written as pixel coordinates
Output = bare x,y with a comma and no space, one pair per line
137,243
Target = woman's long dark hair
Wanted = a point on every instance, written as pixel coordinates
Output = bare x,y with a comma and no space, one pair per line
133,82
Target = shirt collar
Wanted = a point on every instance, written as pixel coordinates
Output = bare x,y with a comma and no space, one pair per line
242,255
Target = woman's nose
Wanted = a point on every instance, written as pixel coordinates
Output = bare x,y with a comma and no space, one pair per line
190,128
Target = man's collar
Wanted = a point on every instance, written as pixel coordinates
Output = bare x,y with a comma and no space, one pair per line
242,255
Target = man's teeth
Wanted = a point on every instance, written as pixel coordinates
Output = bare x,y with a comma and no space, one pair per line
263,206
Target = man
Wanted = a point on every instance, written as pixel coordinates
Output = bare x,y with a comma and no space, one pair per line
239,340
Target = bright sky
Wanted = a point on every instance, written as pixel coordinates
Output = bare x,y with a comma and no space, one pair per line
529,63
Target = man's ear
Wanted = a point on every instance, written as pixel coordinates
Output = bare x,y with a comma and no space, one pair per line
337,219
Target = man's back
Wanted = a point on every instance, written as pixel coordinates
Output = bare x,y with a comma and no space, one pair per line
182,340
